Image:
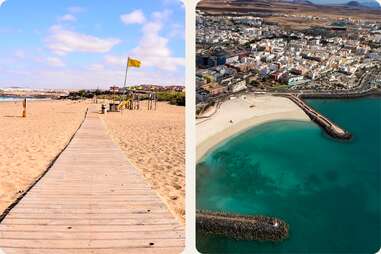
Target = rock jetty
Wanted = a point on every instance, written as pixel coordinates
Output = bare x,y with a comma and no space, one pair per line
242,227
330,128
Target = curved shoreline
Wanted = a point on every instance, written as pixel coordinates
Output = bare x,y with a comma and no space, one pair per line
250,117
212,142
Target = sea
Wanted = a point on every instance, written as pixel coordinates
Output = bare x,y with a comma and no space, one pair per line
15,98
327,190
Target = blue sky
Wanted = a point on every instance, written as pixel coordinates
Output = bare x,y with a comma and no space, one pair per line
84,44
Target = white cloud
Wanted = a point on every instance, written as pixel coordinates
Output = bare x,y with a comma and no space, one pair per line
153,49
2,2
68,17
173,2
86,78
134,17
96,67
75,9
177,31
20,54
55,61
161,15
63,41
114,60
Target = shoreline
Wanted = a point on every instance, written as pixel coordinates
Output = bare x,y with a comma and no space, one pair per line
217,129
212,142
2,100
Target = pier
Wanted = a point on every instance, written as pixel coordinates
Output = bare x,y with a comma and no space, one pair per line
331,128
242,227
92,200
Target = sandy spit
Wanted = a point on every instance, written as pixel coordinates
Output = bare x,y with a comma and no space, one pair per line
154,141
240,114
28,145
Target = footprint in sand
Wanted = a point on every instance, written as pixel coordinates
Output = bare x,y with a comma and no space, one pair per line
177,187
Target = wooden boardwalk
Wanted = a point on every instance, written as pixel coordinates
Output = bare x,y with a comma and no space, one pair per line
92,200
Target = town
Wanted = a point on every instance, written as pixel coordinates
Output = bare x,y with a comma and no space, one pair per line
245,52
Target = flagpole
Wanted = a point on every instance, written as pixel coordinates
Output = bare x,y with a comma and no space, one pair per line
125,77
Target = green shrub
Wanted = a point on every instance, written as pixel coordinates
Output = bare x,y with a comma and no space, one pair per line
174,98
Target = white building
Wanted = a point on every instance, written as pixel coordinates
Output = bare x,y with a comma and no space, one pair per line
238,86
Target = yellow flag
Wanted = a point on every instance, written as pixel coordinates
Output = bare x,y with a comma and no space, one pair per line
133,63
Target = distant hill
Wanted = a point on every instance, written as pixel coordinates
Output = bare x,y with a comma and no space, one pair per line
304,2
369,4
353,4
361,9
248,1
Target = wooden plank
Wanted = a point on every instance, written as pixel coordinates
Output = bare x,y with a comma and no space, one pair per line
111,195
47,215
93,235
172,250
82,199
138,204
102,210
89,221
111,192
90,228
69,187
73,243
96,189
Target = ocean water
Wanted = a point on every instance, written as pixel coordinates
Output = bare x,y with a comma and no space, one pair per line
11,98
327,190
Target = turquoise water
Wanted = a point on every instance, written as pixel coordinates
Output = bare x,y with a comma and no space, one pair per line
9,98
327,190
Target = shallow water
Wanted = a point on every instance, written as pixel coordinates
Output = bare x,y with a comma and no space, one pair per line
8,98
11,98
327,190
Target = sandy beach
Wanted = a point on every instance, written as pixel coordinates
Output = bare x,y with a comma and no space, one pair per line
239,114
28,145
154,142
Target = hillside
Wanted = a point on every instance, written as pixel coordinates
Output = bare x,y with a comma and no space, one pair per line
289,12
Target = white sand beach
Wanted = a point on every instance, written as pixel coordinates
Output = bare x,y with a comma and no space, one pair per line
242,113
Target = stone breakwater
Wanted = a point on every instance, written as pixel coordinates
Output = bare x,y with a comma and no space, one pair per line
348,95
331,128
242,227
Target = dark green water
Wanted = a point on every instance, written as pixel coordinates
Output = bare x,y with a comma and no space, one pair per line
328,191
